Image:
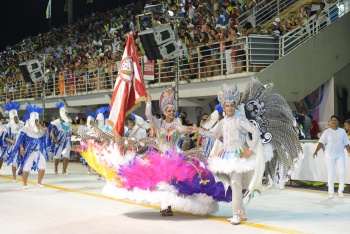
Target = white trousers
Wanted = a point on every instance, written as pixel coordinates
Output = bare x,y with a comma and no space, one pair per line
239,181
38,158
331,164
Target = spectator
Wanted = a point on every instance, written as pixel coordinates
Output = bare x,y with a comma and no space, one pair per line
275,32
205,55
336,139
247,29
347,127
314,128
321,16
229,53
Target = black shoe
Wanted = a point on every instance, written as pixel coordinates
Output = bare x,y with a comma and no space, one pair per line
169,212
163,212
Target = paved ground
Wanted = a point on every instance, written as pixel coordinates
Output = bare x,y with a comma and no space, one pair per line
74,204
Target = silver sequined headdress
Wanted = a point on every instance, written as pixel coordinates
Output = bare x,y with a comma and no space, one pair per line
167,99
228,94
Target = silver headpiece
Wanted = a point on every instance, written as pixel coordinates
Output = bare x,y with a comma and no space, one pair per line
228,94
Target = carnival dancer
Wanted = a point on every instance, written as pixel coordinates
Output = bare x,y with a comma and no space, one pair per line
136,127
101,116
211,124
90,123
90,120
3,143
237,158
14,127
145,178
167,131
31,144
167,173
60,133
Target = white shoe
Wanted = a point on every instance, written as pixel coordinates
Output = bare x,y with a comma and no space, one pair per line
40,185
15,180
25,187
341,194
66,173
331,196
236,220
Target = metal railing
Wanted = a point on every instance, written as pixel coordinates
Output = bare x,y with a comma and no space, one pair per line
246,54
264,11
205,61
312,26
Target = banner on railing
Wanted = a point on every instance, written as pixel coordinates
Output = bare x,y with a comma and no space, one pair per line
148,70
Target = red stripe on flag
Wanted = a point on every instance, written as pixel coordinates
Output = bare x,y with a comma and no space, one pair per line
127,93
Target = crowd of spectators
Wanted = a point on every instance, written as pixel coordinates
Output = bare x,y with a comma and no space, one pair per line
208,32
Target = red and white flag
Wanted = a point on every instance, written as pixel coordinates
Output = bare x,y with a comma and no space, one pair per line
129,88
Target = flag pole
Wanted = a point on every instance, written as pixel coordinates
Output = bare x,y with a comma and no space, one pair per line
50,18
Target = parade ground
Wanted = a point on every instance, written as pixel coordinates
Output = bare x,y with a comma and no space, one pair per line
74,203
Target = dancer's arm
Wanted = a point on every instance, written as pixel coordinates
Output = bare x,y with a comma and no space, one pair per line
211,134
249,127
54,136
156,123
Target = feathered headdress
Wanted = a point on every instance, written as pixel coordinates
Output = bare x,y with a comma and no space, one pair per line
102,114
63,112
167,99
25,117
91,117
228,94
12,109
33,114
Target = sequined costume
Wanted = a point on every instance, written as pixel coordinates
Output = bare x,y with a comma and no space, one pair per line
228,162
228,165
163,175
168,134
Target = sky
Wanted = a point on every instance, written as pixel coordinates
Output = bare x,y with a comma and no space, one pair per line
23,18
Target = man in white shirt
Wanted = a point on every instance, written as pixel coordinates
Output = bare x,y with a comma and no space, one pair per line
191,9
335,140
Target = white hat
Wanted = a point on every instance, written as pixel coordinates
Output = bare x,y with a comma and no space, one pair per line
190,26
274,23
277,20
171,13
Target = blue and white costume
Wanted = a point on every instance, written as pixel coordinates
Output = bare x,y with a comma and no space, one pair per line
102,114
139,129
33,141
62,129
13,130
211,124
3,143
90,122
